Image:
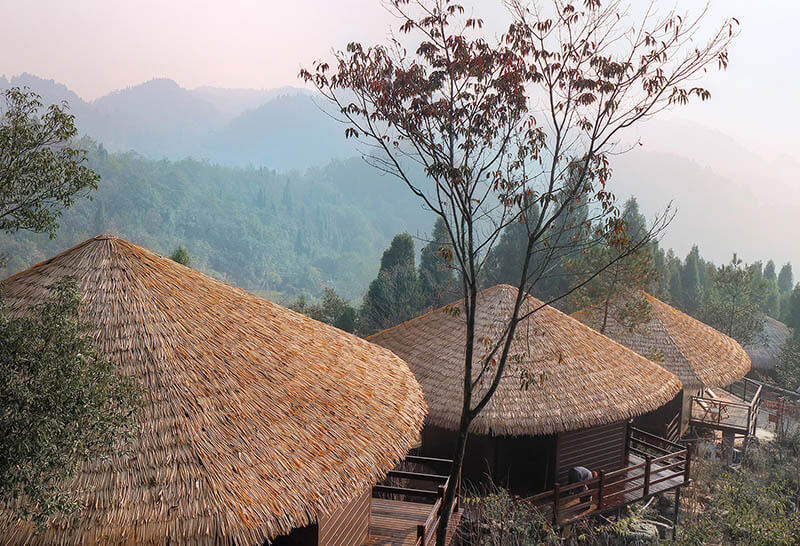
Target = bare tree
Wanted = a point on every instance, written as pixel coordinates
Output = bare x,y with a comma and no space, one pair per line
519,128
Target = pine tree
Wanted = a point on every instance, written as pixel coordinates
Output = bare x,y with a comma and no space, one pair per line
690,282
786,279
436,278
792,315
181,255
393,297
734,305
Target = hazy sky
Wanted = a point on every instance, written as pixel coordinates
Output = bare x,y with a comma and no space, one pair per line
96,46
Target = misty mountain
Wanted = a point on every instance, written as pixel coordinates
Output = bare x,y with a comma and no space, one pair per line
156,118
288,132
281,129
232,102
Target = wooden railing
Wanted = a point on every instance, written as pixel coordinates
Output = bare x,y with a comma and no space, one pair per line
739,417
429,485
654,465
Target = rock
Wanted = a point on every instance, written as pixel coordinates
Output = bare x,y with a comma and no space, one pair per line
644,532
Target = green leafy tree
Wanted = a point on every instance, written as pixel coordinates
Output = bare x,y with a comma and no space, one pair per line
332,309
691,283
436,277
734,305
786,278
393,297
792,315
788,367
181,255
62,404
40,172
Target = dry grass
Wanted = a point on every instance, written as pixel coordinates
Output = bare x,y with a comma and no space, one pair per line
257,419
582,378
697,353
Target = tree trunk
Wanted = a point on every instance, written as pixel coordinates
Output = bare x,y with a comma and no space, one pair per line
455,474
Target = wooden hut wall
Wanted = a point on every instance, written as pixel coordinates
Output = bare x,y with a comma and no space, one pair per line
522,464
347,526
664,421
596,448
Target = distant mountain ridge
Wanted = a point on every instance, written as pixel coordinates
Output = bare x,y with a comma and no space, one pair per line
282,129
728,198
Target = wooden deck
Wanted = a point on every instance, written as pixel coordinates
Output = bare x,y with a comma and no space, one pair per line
395,523
406,507
734,409
643,476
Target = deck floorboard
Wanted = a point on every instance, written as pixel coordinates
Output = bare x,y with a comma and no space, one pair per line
394,523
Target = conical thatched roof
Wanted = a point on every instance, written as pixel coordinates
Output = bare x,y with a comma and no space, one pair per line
697,353
257,419
766,349
588,379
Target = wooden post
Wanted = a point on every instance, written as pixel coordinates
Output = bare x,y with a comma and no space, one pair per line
688,465
628,437
556,499
675,514
727,446
458,494
601,486
647,462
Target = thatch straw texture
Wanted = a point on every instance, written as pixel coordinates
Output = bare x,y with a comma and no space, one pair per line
257,419
587,379
764,352
697,353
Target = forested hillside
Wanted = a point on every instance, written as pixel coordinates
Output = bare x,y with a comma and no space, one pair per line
264,231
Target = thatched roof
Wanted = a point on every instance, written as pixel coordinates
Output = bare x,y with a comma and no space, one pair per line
257,419
697,353
764,352
588,379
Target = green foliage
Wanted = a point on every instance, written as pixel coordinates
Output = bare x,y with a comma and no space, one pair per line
734,304
393,297
792,312
755,504
62,404
40,172
786,278
181,255
436,276
691,284
614,292
332,309
788,367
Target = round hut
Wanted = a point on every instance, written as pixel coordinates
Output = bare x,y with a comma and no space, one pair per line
259,426
575,412
766,349
699,355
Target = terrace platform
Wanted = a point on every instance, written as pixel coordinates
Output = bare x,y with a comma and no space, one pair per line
654,465
405,510
396,523
733,409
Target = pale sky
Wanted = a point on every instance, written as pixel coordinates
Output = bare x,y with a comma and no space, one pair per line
96,46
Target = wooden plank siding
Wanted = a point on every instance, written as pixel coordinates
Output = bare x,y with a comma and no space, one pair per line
348,525
596,448
664,421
